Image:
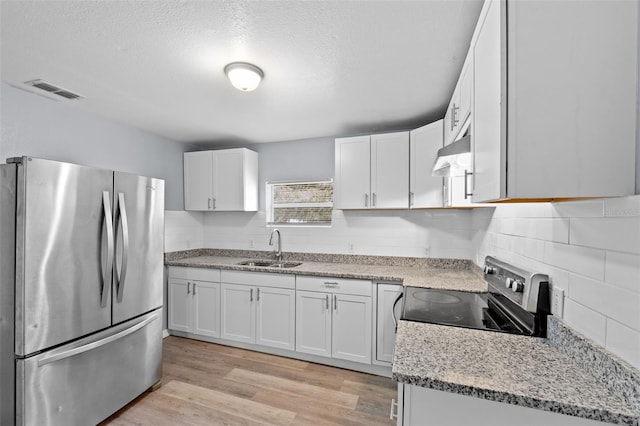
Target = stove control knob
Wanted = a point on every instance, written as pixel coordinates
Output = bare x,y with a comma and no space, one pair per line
508,282
489,270
517,287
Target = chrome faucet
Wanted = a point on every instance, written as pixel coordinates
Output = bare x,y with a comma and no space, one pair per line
278,252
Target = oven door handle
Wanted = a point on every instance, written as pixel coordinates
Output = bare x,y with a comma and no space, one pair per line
393,312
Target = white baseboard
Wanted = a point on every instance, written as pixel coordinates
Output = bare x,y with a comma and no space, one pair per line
165,333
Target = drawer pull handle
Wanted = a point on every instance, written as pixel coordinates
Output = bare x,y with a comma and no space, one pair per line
393,414
331,284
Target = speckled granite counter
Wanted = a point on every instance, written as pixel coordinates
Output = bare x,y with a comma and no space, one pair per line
507,368
451,274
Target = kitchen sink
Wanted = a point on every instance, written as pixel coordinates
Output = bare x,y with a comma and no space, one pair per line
269,263
285,264
256,263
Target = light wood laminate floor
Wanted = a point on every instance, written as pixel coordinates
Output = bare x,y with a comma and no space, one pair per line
209,384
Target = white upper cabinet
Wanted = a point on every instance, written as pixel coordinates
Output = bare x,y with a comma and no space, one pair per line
460,105
198,183
372,172
389,170
223,180
352,186
465,88
425,190
554,100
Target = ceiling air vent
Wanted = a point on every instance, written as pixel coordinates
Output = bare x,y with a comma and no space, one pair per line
53,89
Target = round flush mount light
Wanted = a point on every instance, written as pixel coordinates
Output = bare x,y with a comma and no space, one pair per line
244,76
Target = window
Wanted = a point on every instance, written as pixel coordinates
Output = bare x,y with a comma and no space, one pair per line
299,203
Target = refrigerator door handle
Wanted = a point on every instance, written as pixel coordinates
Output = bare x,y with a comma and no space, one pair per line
122,216
96,344
106,273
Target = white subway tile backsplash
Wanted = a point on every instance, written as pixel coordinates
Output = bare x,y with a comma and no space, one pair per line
540,228
588,208
580,260
624,342
623,206
523,210
623,270
613,302
183,230
610,233
586,321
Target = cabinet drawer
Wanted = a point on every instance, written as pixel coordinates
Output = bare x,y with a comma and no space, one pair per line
200,274
334,285
262,279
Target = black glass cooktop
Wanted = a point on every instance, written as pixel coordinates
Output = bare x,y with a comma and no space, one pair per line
483,311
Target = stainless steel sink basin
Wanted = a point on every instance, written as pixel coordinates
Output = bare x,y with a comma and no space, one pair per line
285,264
269,263
256,263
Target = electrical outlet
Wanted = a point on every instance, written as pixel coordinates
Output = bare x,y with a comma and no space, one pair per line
252,244
557,301
426,252
351,249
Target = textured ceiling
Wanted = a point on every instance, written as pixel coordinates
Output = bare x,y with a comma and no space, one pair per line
332,68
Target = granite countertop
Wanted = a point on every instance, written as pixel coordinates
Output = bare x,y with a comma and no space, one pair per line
502,367
451,274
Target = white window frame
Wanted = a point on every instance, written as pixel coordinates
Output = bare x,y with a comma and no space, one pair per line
270,205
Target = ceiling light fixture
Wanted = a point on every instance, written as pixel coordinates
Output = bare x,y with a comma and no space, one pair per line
244,76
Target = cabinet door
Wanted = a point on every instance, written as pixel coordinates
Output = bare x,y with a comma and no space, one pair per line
447,133
313,323
179,305
198,188
466,80
238,314
352,186
447,408
275,317
351,328
425,190
456,186
386,328
488,142
389,170
228,180
206,308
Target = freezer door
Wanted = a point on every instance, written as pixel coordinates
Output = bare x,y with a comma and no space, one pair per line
139,259
63,233
85,382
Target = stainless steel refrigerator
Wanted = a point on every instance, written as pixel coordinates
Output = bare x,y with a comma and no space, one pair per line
81,271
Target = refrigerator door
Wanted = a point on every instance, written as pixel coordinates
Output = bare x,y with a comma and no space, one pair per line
64,232
7,288
139,234
85,382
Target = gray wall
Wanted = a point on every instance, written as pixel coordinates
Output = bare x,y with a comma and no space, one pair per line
39,127
308,159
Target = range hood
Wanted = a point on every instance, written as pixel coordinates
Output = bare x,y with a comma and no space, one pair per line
454,158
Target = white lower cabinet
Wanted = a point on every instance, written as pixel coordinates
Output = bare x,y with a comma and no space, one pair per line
275,317
258,314
385,323
238,313
334,318
351,328
194,304
418,406
313,323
